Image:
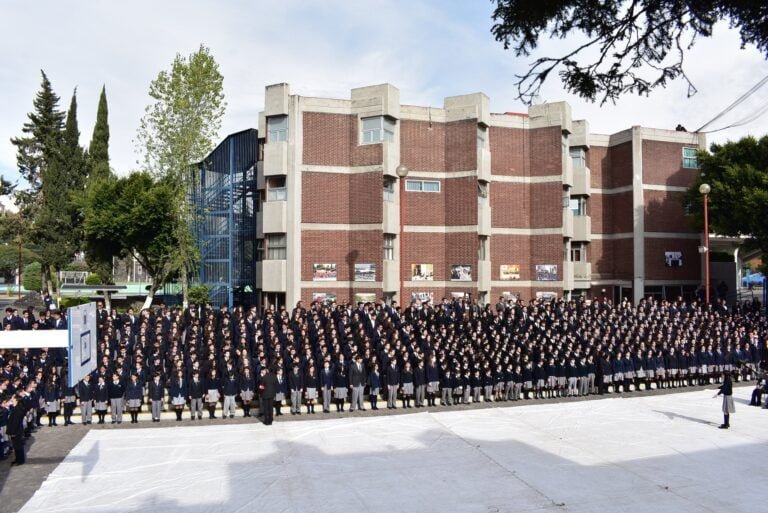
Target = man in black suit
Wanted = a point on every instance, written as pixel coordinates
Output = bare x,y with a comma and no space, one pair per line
268,389
15,429
357,381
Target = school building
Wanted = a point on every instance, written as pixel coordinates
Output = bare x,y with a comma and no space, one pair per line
364,197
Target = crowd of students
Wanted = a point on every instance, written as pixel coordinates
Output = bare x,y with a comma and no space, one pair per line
215,361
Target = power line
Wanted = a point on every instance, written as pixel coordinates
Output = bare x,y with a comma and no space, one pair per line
743,121
735,104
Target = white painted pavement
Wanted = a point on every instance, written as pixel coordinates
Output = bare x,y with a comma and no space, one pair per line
645,454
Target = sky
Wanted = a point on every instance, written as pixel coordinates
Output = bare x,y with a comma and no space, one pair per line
428,49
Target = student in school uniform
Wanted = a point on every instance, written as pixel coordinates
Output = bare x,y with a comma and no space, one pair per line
267,391
197,391
212,392
116,399
230,388
406,385
247,390
357,380
393,384
726,390
70,398
310,388
296,389
488,381
156,395
466,388
84,392
340,387
134,393
447,384
101,398
419,384
281,393
476,383
326,385
374,385
52,397
433,381
178,393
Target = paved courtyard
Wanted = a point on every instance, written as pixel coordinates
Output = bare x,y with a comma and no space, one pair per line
660,453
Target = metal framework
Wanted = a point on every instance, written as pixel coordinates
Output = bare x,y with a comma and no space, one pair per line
225,202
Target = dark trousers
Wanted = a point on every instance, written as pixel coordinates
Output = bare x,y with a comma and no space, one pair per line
18,448
269,409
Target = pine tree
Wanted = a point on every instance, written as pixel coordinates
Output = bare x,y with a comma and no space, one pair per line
38,147
98,151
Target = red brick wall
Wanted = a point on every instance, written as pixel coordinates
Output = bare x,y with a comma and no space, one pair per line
620,157
510,204
343,295
663,164
460,201
425,248
342,198
546,151
599,165
654,259
510,151
623,259
547,249
425,208
461,145
422,148
546,210
664,212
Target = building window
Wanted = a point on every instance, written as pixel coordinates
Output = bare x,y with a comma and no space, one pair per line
578,252
277,128
482,190
276,246
389,247
579,158
276,190
482,250
259,250
578,206
422,186
389,190
377,129
482,137
690,158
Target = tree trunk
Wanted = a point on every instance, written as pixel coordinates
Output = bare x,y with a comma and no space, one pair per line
58,289
184,287
154,286
108,300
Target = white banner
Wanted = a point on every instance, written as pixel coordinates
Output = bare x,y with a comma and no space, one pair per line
20,339
82,342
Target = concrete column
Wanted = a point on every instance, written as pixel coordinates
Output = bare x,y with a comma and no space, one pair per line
638,215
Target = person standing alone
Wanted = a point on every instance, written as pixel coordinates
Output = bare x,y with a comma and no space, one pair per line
726,390
268,389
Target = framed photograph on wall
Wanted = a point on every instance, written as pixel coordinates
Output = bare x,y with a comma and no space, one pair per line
365,272
424,297
509,272
324,272
673,258
324,297
422,272
461,272
547,272
365,297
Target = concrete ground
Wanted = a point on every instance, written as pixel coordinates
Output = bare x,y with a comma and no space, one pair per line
49,446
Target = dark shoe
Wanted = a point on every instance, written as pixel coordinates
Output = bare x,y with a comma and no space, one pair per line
724,426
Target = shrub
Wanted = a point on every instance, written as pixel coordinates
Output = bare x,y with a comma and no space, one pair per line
198,294
93,279
32,277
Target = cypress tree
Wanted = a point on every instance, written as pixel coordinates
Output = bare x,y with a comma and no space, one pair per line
98,151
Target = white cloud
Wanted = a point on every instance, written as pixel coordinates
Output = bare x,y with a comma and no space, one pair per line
428,49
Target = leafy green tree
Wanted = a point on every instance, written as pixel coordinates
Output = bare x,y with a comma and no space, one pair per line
737,173
628,46
129,216
179,128
199,294
9,260
31,278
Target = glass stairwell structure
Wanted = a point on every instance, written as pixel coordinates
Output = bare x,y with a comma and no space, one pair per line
225,201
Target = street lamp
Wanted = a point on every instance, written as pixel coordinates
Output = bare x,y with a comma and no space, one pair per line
704,190
402,172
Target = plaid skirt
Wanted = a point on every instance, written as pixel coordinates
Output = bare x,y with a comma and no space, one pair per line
134,403
311,393
340,393
246,395
407,388
433,387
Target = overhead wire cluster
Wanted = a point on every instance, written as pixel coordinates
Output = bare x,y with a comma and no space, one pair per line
750,117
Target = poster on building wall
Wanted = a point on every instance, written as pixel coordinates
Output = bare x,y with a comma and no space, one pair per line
365,297
324,272
461,272
546,296
546,272
365,272
673,258
459,295
324,297
424,297
509,272
422,272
